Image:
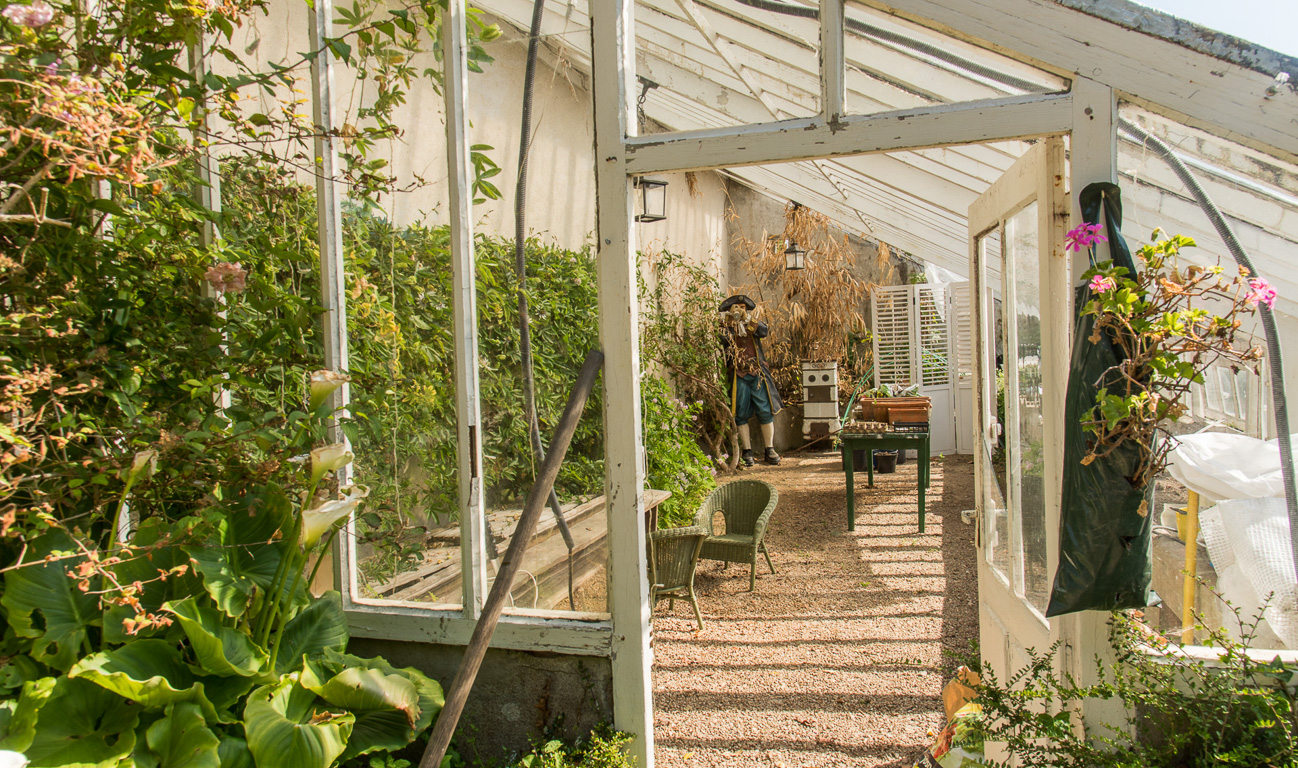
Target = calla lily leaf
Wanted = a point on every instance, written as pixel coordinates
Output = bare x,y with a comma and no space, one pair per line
234,753
220,650
321,626
150,537
180,739
148,671
84,725
246,556
43,603
289,727
386,706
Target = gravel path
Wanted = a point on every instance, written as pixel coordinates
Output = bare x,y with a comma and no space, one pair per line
839,658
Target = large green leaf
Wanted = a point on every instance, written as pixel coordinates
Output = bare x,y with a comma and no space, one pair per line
288,727
246,555
148,671
81,724
234,753
44,603
159,553
431,699
180,739
21,728
320,627
386,706
220,650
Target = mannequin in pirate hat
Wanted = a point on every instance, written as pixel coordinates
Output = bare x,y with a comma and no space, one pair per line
752,388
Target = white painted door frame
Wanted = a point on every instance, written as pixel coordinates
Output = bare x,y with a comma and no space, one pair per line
1031,194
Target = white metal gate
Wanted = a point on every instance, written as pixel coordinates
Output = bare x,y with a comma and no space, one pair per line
923,334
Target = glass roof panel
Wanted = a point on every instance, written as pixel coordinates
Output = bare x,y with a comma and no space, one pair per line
894,64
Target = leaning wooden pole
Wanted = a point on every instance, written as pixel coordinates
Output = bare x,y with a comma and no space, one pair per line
477,648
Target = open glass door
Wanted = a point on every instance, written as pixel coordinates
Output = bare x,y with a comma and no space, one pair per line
1022,316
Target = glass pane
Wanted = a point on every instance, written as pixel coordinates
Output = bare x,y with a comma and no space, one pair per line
995,491
407,544
896,64
1028,435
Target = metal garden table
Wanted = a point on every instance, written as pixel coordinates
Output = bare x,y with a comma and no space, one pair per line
877,441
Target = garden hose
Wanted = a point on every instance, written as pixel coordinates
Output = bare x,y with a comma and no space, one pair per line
520,273
1227,234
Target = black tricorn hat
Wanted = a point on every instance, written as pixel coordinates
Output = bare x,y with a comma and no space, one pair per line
737,298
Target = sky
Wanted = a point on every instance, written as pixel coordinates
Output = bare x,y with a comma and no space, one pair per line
1270,23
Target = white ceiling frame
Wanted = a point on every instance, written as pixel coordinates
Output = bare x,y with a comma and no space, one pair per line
1005,119
1165,76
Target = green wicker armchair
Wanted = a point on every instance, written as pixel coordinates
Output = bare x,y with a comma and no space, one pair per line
675,555
747,506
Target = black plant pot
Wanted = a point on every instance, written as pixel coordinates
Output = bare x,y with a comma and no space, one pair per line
885,462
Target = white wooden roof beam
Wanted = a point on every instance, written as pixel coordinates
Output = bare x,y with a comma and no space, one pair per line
992,120
1205,91
833,64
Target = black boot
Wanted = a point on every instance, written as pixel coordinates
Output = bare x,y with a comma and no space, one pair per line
747,457
771,456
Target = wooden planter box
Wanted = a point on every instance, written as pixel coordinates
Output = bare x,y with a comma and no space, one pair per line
894,409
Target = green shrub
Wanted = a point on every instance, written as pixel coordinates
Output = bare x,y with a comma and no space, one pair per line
1183,712
603,748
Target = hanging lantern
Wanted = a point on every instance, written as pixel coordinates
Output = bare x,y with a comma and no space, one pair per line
653,199
794,257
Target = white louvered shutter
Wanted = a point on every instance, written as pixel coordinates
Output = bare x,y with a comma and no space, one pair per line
890,316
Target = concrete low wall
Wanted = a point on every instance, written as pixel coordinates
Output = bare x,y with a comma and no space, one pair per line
517,694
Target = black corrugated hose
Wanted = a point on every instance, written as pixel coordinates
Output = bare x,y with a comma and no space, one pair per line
1227,234
520,273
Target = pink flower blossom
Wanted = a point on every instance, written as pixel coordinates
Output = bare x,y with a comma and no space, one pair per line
1263,293
227,278
1084,236
1102,284
38,14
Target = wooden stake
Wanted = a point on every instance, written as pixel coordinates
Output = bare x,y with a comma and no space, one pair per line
477,648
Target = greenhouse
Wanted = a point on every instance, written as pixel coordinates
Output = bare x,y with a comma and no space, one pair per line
379,375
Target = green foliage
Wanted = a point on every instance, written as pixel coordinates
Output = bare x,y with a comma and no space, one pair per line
603,748
1167,338
672,462
680,330
1185,712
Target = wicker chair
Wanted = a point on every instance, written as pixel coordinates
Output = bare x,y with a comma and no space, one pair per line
747,506
675,555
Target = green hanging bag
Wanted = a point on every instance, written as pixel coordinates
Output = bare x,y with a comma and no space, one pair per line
1105,545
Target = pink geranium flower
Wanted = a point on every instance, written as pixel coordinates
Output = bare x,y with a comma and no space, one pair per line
227,278
38,14
1084,237
1102,284
1262,293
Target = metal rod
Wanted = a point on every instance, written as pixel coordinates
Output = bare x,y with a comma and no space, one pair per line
458,693
1190,584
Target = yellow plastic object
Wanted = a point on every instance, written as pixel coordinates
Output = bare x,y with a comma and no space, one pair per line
1189,581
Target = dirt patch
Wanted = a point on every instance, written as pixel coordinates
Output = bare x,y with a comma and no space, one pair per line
839,658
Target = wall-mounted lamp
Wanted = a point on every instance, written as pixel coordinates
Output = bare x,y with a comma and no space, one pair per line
653,199
794,257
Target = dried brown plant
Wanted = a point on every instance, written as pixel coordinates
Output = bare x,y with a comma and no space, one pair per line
815,312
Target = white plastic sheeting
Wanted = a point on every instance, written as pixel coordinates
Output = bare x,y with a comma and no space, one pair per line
1246,531
1221,466
1248,541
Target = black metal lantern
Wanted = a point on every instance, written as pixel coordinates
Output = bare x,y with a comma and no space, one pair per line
653,199
794,257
